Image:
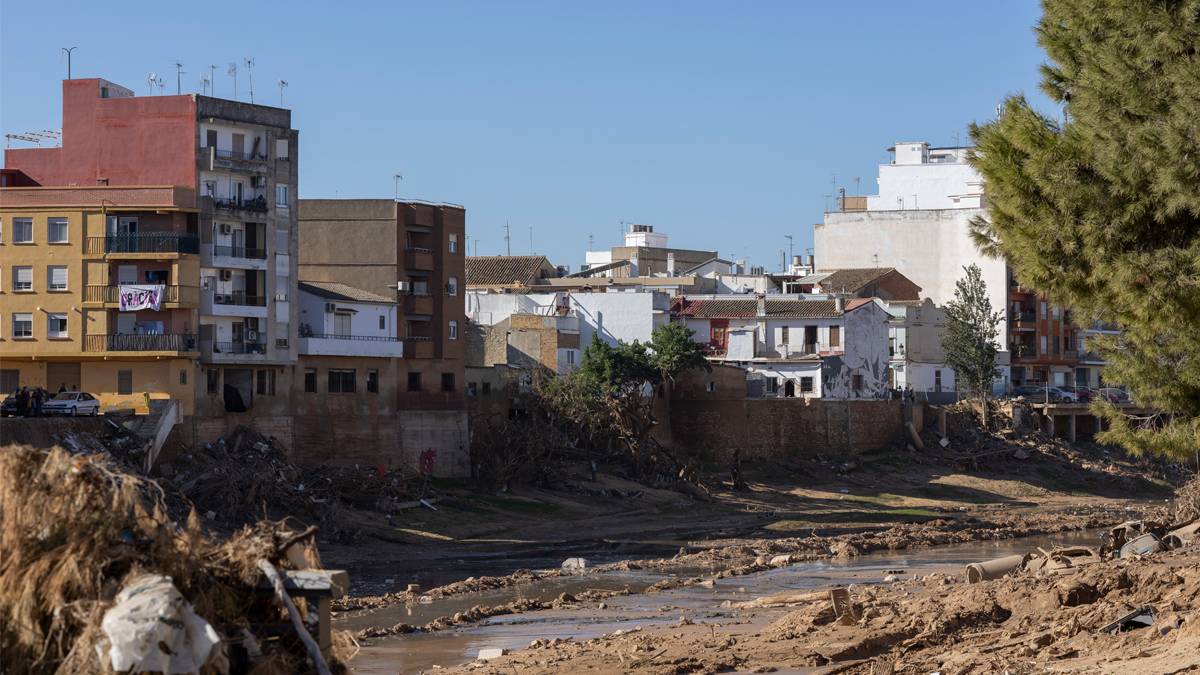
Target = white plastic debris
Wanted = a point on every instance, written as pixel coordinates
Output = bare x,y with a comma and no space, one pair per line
152,628
485,654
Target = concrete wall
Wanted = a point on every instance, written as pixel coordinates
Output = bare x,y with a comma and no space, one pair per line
865,354
364,317
332,237
614,316
933,183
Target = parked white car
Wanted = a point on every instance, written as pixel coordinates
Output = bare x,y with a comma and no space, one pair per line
72,403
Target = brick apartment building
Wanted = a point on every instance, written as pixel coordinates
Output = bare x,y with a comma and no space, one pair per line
1042,339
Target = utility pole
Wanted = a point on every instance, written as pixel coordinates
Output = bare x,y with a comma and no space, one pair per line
507,241
68,51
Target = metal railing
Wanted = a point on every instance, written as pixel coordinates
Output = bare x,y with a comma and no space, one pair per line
370,338
144,242
417,338
139,343
112,294
240,252
239,299
1070,353
239,347
258,204
244,156
1023,351
418,248
1027,316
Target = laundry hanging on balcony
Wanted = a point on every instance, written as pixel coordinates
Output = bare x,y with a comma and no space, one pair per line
134,298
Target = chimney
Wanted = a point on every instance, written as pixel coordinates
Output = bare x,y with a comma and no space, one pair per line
796,260
670,264
839,304
762,304
808,260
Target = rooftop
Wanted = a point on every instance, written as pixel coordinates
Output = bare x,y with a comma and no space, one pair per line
851,280
748,308
331,290
505,270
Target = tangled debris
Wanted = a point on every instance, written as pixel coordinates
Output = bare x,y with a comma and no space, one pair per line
78,528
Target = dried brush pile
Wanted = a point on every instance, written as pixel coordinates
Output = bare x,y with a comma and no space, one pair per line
74,529
248,476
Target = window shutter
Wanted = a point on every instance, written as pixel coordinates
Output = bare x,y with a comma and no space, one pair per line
58,277
127,274
24,275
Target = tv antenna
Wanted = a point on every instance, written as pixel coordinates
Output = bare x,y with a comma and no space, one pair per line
955,134
68,51
212,78
282,84
178,72
396,178
531,241
233,71
507,243
204,83
250,73
590,242
153,80
856,186
789,238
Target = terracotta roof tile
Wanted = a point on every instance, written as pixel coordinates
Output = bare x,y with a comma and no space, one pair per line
334,291
748,308
852,279
504,270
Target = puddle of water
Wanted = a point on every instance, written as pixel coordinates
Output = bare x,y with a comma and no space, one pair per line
415,652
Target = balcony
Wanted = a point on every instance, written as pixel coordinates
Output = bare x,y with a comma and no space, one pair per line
139,343
233,257
351,345
418,259
144,244
255,205
1022,321
418,347
1022,351
233,304
175,297
418,304
1070,354
232,352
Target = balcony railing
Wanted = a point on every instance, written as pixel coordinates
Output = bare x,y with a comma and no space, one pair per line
1027,316
239,299
369,338
240,252
239,347
1070,353
144,242
243,156
258,204
139,343
112,294
417,338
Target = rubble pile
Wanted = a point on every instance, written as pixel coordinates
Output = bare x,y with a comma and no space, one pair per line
91,556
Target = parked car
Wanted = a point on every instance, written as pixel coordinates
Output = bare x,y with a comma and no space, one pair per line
1073,394
1114,395
9,407
72,403
1037,394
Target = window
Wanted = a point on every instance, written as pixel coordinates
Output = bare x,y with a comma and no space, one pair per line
937,380
711,387
214,380
382,322
341,381
856,382
772,385
124,382
183,377
835,337
1043,310
341,325
891,346
1042,342
1054,312
718,335
281,195
452,286
266,382
22,279
453,330
806,385
454,243
447,381
10,380
372,381
56,230
1054,345
487,388
126,275
414,382
22,325
471,387
783,335
570,357
22,230
56,278
281,148
56,325
310,380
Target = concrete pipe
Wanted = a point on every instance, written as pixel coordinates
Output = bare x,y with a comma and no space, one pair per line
916,438
994,569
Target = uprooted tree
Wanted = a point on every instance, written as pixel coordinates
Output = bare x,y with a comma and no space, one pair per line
969,339
1100,210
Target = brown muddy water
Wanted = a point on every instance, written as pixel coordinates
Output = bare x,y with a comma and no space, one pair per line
417,652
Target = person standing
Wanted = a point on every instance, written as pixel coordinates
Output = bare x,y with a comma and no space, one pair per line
23,402
62,388
37,402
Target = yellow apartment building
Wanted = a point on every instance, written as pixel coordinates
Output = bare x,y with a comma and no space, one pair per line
68,255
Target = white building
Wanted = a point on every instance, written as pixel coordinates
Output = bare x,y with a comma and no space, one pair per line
613,316
917,358
338,320
918,223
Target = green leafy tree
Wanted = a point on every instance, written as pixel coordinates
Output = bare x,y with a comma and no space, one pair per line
969,337
614,386
1100,210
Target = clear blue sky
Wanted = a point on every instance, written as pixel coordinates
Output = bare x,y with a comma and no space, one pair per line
720,124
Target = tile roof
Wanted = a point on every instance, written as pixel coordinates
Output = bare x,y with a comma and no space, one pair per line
504,270
905,303
331,290
749,308
852,278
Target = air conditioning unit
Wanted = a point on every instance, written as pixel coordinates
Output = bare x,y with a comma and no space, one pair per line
252,335
226,228
258,181
281,297
405,286
330,308
226,275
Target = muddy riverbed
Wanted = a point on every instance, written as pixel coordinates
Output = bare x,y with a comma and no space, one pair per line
417,652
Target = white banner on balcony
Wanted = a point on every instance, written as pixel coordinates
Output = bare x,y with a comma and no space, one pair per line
134,298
